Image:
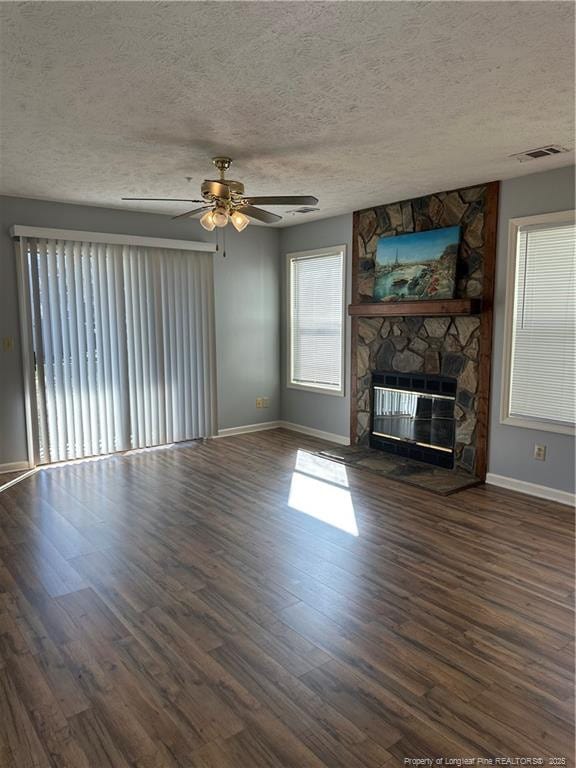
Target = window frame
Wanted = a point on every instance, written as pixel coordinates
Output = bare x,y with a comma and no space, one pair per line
297,256
536,423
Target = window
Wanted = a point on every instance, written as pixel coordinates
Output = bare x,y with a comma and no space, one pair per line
539,364
316,283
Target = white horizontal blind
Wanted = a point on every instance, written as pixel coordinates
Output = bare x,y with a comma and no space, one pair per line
124,344
543,381
316,320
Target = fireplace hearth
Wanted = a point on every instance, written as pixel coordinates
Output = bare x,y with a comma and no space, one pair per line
412,415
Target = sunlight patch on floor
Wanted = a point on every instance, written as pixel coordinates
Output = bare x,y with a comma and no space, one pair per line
324,469
319,488
104,456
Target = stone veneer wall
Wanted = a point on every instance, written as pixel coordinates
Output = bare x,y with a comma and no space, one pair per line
449,346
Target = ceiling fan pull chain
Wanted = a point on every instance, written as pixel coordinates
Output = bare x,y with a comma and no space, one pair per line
221,234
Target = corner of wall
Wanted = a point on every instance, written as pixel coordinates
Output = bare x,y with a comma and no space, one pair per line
510,456
312,410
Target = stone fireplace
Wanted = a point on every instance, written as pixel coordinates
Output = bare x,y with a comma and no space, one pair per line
453,341
433,345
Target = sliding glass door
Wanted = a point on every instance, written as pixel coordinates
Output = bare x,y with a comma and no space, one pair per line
123,341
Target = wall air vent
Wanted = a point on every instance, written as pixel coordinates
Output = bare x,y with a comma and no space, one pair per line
304,209
536,154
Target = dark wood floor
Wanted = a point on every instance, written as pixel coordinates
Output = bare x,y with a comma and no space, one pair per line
170,608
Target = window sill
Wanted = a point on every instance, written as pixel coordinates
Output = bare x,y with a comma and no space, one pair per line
316,389
541,426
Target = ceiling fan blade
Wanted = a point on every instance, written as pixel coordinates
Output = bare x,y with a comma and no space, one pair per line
259,214
283,200
165,199
193,212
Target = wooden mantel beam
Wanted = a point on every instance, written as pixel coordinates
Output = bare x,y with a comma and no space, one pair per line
432,308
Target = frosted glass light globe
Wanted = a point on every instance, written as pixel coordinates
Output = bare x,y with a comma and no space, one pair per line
220,217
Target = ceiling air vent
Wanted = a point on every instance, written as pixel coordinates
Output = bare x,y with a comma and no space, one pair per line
304,209
536,154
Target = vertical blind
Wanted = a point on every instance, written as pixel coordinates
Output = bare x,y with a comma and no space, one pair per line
124,345
543,378
316,320
391,403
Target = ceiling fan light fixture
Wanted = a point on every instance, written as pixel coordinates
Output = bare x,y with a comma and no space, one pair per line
239,221
207,221
223,201
220,217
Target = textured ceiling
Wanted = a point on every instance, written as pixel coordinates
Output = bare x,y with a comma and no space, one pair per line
356,102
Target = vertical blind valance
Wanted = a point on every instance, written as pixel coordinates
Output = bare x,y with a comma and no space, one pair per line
124,343
543,362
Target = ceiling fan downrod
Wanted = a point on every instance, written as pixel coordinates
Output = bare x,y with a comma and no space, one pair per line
222,163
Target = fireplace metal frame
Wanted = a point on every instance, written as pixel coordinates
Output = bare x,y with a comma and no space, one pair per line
426,384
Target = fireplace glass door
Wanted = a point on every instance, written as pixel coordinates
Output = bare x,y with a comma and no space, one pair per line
420,418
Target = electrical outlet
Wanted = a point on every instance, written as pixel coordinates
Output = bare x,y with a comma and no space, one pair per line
540,452
259,402
265,402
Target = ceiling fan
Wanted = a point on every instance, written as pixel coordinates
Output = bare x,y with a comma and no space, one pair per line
225,201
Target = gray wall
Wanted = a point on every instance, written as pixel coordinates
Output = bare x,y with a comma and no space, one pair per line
511,448
248,305
328,413
247,309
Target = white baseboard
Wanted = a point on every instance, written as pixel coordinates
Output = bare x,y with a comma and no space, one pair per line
14,466
23,476
229,431
331,437
532,489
